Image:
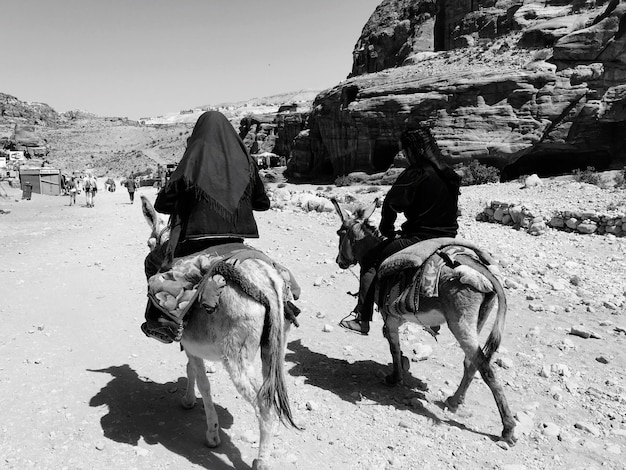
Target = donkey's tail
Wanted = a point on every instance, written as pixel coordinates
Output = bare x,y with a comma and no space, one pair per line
495,337
273,391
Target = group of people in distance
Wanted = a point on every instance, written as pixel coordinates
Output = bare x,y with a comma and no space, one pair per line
213,192
88,184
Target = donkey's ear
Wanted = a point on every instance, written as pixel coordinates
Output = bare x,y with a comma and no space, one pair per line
148,212
340,211
369,210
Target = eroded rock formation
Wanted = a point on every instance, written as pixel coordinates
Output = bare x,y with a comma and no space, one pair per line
524,116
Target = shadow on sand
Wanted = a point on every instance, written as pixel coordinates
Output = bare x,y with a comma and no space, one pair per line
142,409
357,382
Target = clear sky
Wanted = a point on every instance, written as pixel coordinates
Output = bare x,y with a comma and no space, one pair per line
138,58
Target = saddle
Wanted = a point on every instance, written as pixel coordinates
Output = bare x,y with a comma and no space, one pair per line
199,277
414,272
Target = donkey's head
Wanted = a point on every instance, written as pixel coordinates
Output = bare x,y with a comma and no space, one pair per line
160,229
357,236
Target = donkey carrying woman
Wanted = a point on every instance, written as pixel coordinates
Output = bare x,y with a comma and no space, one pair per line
220,298
425,275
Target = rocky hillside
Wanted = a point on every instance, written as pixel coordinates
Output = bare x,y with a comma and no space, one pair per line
526,87
115,146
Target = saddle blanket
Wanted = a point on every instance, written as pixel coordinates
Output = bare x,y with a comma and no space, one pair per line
174,291
415,273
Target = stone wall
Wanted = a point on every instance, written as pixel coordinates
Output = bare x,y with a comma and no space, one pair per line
536,223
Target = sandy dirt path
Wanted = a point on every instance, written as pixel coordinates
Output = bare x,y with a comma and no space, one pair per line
82,387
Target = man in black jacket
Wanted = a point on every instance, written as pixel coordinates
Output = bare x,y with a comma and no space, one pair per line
427,194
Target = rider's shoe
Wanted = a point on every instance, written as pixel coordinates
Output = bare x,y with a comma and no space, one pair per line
164,334
356,325
291,312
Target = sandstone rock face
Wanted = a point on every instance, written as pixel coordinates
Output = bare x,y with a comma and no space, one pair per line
396,30
546,116
274,133
603,41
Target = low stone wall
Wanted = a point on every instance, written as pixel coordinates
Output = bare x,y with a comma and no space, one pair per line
536,223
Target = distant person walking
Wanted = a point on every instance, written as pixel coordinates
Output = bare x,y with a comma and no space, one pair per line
89,185
72,190
130,185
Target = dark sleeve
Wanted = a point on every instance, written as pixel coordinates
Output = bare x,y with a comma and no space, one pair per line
260,201
166,200
388,219
400,197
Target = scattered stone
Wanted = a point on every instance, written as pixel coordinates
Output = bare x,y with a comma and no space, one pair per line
532,181
99,446
583,332
318,281
545,371
320,315
249,436
312,406
421,352
550,429
566,344
504,362
602,359
327,328
590,428
574,280
141,452
560,369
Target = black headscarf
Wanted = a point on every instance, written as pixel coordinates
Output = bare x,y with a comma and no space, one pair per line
216,165
425,149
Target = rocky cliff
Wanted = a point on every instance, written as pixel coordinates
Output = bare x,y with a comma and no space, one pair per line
525,87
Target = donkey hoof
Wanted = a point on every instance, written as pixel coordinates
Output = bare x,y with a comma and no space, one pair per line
259,464
213,439
406,364
187,404
451,404
508,436
392,380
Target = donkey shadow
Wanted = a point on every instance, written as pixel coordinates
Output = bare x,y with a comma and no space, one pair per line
142,409
357,382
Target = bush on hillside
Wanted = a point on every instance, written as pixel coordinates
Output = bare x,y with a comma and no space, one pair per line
620,179
474,172
589,176
345,180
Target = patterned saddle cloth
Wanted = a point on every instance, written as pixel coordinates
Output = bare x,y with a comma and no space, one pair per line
415,272
190,279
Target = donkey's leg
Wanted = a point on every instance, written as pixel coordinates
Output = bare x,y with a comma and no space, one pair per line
508,422
463,322
195,368
188,400
462,328
390,331
242,374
